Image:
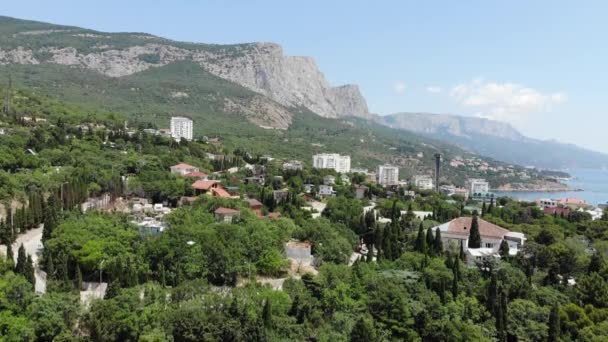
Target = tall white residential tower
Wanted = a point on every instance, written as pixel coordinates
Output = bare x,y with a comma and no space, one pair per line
181,127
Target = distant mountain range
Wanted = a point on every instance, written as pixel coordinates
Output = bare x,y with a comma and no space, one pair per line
497,140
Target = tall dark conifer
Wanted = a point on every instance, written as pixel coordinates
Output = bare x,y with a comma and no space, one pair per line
438,244
430,242
21,260
554,324
474,235
420,244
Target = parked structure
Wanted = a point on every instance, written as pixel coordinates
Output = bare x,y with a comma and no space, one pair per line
388,175
181,127
331,161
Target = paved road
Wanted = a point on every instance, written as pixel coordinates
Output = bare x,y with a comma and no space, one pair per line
32,241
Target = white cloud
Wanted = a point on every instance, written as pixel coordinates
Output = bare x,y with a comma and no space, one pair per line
509,102
433,89
399,87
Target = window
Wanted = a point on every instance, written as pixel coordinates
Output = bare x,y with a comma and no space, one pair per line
489,245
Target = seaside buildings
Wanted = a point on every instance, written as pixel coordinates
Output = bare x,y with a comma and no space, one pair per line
181,127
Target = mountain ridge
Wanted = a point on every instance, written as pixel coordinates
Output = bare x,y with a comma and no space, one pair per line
496,139
291,81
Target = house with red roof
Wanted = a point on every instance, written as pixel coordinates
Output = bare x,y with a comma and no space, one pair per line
572,203
226,214
197,175
183,169
210,187
255,206
456,233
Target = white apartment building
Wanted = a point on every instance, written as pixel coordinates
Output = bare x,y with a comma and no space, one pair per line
423,182
181,127
478,185
388,175
331,161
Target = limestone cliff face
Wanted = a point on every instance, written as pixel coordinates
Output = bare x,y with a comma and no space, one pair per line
262,67
289,80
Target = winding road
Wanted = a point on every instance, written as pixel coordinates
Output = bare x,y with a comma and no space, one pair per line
32,241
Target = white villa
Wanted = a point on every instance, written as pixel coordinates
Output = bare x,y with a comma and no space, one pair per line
423,182
457,232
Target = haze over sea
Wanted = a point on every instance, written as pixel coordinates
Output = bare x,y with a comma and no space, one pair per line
594,184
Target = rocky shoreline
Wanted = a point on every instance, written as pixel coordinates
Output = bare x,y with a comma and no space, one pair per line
542,186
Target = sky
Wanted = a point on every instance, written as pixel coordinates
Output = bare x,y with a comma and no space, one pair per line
539,65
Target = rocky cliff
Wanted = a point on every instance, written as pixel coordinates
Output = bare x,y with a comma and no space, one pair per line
261,67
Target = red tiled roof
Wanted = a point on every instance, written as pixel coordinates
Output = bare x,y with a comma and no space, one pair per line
462,225
224,211
183,166
196,174
203,184
574,201
253,202
220,192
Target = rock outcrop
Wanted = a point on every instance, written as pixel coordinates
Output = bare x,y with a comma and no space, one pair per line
291,81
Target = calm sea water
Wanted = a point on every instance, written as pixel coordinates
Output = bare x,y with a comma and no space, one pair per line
593,182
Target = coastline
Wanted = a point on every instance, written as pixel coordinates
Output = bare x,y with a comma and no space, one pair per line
538,190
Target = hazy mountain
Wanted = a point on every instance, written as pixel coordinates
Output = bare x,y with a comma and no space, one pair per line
497,140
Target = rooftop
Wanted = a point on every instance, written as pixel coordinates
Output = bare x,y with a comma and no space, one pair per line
203,184
196,174
183,166
225,211
462,226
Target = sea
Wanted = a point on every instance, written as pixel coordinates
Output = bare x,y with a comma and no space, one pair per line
593,183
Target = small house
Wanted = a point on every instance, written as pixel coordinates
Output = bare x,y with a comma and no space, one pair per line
183,169
255,206
361,191
226,214
329,180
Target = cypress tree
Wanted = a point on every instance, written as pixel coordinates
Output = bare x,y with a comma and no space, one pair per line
420,245
448,262
50,267
455,282
267,313
595,264
461,254
456,269
492,294
554,324
78,280
50,218
9,255
483,209
438,244
504,249
21,260
430,242
499,317
363,331
474,235
491,207
29,271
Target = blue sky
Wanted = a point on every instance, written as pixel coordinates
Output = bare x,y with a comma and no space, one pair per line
540,65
